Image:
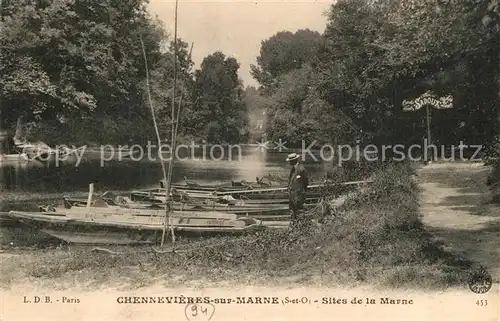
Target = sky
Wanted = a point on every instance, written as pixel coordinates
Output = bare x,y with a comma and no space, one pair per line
237,27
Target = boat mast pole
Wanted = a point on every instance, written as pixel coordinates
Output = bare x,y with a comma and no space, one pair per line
153,111
172,155
180,98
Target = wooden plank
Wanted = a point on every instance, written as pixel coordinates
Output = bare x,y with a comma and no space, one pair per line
126,221
285,189
194,191
218,229
269,218
201,206
38,216
91,191
119,211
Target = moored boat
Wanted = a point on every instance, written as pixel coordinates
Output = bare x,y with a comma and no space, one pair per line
275,193
116,225
13,158
271,195
223,187
108,199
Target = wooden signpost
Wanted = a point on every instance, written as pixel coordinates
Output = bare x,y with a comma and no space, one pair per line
428,100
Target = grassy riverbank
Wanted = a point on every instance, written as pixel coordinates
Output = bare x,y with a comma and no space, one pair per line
376,237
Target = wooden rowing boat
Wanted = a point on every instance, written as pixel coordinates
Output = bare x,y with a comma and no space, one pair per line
277,195
262,193
227,187
158,195
108,199
117,225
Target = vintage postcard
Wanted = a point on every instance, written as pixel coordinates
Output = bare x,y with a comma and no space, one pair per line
249,160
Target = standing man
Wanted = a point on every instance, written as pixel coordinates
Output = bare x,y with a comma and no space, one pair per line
297,187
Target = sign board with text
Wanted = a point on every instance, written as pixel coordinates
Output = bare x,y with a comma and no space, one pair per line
430,99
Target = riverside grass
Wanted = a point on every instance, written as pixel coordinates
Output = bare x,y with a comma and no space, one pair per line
375,238
494,181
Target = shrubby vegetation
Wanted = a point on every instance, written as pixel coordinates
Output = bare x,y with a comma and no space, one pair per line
74,71
350,82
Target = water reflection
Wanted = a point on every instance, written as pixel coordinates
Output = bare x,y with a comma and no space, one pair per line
252,165
132,174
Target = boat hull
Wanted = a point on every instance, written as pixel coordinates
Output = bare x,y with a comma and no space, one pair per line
215,188
278,198
94,227
242,209
256,194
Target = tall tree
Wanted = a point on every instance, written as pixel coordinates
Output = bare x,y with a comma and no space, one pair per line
219,112
68,61
396,50
297,112
162,87
283,52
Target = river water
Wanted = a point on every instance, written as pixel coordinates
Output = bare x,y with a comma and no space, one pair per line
25,185
126,174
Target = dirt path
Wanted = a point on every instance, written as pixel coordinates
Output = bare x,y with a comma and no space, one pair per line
457,210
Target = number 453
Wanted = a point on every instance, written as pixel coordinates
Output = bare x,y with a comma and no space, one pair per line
482,303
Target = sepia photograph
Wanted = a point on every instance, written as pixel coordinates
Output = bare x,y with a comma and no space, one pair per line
249,160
